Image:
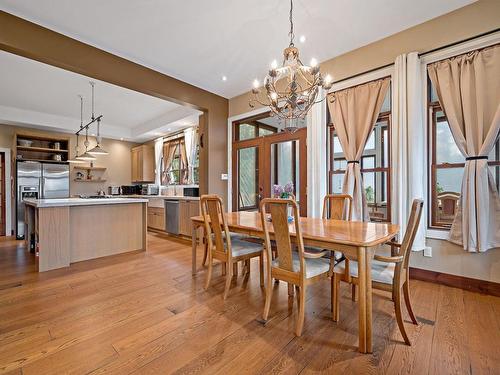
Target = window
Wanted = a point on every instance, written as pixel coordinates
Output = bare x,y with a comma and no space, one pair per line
375,165
447,166
254,127
176,173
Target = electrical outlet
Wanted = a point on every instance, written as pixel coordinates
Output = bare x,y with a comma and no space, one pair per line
428,252
223,176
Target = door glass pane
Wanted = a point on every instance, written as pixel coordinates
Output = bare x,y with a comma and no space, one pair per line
285,165
337,179
248,177
246,131
446,148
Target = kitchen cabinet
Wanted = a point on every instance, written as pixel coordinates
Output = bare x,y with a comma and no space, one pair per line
156,218
143,164
187,208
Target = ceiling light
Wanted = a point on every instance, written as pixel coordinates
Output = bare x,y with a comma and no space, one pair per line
291,90
86,157
302,39
224,78
121,139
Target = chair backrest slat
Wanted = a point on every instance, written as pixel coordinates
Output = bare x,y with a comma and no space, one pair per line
278,210
337,206
411,230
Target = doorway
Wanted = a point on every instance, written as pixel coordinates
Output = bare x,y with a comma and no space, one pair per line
262,156
2,194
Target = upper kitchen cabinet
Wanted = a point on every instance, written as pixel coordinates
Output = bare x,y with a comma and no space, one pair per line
143,164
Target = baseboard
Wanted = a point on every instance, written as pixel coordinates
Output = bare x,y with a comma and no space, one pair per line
466,283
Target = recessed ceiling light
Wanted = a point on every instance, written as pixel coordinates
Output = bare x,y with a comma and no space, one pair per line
121,139
169,129
302,39
93,134
224,78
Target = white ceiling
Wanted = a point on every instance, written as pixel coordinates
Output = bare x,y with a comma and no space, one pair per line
39,95
200,41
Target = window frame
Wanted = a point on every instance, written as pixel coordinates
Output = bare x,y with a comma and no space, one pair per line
433,107
257,125
182,170
386,182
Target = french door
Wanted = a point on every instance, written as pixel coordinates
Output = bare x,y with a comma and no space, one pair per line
262,162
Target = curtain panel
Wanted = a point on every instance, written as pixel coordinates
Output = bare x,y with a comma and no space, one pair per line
468,89
158,160
183,177
168,157
408,143
354,112
191,140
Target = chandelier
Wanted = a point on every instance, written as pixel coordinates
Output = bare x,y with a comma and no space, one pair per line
291,90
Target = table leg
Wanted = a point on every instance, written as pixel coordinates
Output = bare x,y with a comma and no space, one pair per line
194,238
362,299
368,265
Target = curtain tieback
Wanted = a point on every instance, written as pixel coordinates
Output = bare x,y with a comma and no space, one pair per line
353,162
476,158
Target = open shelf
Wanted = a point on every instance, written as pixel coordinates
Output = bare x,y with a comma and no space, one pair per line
84,180
44,160
89,168
40,149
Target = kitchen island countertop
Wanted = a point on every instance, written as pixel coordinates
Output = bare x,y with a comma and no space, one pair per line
68,202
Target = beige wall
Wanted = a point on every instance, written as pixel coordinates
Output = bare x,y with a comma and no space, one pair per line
118,162
467,22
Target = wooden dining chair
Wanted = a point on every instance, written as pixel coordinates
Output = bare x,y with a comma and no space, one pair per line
337,206
227,248
389,273
297,268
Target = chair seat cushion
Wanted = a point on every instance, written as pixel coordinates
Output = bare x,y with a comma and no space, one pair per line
242,247
382,272
314,267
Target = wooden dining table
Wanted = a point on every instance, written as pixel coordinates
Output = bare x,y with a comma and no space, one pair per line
357,240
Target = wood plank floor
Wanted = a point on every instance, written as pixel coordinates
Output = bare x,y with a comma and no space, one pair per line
143,313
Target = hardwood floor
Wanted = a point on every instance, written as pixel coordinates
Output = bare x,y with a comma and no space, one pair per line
143,313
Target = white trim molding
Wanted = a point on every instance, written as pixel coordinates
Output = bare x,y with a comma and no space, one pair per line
8,191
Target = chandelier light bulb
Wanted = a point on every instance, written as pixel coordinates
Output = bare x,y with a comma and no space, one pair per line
274,96
314,63
256,84
328,79
274,64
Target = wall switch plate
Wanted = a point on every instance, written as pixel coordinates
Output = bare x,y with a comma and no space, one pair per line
428,252
223,176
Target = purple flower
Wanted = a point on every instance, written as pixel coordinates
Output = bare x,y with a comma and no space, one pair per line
277,190
288,188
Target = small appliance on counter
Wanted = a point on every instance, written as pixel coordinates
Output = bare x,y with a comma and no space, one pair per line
191,192
131,189
114,190
150,189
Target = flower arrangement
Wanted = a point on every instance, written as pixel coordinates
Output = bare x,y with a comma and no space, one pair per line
283,192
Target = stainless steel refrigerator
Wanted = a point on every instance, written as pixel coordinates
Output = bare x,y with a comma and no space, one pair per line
38,180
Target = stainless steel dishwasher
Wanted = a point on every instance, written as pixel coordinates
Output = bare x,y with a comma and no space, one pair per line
172,216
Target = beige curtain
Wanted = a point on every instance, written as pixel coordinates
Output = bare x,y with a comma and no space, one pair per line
354,112
468,88
168,157
184,163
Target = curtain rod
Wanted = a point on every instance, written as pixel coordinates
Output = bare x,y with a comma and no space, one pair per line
459,42
419,55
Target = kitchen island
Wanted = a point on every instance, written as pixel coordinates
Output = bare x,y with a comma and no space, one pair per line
74,229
